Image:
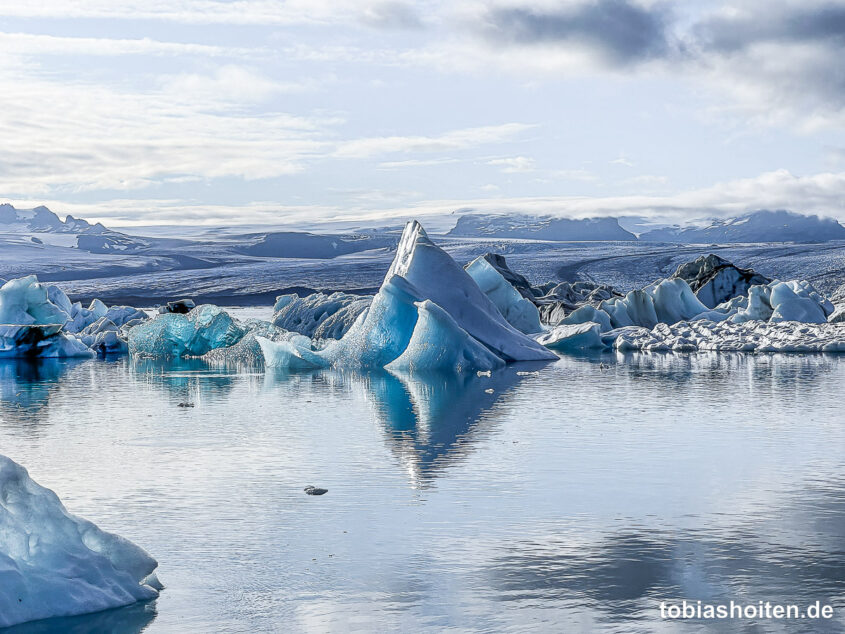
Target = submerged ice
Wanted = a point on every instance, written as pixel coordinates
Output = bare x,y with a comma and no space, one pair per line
55,564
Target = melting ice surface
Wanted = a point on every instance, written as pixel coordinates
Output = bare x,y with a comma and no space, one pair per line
567,496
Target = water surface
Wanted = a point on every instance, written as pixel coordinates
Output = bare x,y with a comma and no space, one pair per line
572,496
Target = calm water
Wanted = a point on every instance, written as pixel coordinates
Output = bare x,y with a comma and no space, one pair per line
571,499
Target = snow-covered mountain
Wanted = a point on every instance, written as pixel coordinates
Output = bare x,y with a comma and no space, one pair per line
539,228
759,226
42,228
42,220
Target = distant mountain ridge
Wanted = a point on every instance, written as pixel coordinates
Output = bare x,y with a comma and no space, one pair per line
759,226
94,238
539,228
41,219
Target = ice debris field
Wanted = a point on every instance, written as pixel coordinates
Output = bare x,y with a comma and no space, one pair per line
430,315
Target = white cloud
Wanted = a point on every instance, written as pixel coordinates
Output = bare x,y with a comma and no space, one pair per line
574,175
233,12
514,165
74,136
39,44
819,193
449,141
393,165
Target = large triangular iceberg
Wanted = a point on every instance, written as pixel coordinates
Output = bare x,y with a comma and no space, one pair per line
437,277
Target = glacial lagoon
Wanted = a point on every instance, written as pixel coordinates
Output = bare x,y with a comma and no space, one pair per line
561,496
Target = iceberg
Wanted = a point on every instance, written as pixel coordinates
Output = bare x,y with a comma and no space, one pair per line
520,313
674,301
318,315
436,276
39,340
204,328
294,353
247,352
25,301
439,344
588,315
573,337
429,314
55,564
31,325
715,280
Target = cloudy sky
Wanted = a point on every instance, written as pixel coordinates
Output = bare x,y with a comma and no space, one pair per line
253,111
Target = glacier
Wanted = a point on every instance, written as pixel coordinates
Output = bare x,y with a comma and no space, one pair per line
55,564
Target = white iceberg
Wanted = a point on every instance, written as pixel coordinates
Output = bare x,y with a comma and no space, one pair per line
520,313
726,336
55,564
294,353
318,315
573,337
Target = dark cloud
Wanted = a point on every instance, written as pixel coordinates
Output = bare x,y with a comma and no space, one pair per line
621,31
726,34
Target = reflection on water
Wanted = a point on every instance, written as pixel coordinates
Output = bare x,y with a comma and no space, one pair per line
621,574
129,620
431,420
572,496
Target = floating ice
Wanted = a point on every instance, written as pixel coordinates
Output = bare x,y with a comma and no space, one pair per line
715,280
428,315
519,312
439,344
573,337
674,301
104,337
752,336
436,276
39,341
31,325
205,328
25,301
55,564
247,352
588,315
319,315
294,353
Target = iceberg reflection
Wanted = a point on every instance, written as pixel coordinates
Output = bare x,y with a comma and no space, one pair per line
26,384
129,620
432,420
